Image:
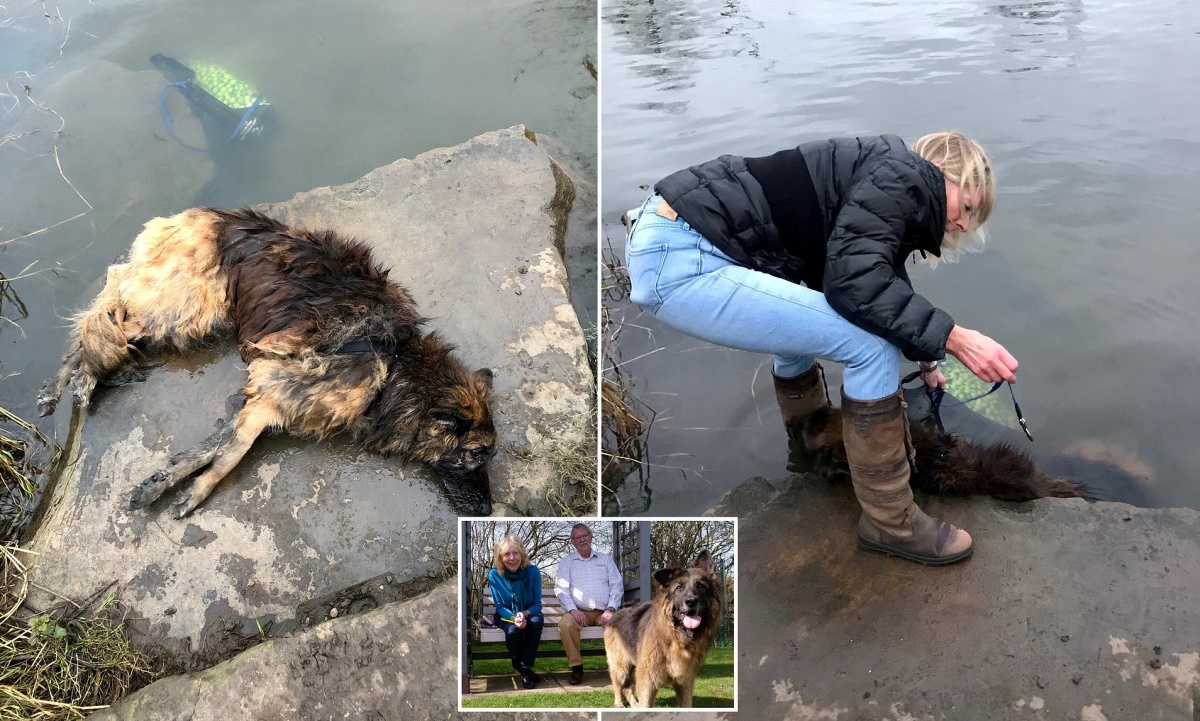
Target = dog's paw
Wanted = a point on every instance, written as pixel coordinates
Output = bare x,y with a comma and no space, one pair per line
148,491
46,403
82,387
183,504
129,375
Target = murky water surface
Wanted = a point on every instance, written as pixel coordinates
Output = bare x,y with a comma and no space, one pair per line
353,85
1088,110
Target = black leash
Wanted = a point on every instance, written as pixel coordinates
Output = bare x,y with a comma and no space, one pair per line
937,394
367,346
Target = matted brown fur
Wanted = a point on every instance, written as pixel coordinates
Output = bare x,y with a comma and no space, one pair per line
647,644
294,299
945,464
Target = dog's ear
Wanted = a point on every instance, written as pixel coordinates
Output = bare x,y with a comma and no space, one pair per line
667,575
485,376
704,561
450,417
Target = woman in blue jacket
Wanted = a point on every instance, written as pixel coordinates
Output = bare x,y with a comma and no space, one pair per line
517,591
801,255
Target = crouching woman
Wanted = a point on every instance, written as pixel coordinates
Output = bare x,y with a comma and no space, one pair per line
801,254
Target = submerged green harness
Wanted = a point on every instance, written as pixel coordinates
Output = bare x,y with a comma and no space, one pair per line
217,91
225,86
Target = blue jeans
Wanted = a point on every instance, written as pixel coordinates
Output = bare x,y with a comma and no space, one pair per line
688,284
522,643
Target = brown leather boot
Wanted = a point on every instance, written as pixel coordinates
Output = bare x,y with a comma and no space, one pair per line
876,437
798,397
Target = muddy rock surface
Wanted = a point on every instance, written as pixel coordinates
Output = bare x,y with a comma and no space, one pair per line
1066,610
474,232
396,662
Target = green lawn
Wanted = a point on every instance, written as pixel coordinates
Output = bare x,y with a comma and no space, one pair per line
496,666
714,685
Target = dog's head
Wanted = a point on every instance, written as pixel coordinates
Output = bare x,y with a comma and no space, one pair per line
458,439
692,596
436,411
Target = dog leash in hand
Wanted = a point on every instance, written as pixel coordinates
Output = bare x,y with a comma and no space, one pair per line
937,394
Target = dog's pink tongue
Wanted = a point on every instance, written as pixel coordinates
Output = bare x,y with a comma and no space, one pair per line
691,621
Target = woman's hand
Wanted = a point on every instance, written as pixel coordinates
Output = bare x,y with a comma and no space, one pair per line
981,355
519,619
933,379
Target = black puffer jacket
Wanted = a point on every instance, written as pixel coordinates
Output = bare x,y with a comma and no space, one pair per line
840,215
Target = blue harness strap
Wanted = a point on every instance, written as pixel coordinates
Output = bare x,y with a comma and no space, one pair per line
246,116
170,124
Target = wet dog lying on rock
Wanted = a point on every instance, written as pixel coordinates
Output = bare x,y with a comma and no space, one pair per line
331,343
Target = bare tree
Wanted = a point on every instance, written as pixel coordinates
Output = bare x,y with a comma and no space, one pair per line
676,543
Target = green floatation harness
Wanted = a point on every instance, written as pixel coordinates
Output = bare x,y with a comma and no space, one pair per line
225,86
936,395
219,93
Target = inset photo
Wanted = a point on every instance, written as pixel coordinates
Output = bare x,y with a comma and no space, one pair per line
597,613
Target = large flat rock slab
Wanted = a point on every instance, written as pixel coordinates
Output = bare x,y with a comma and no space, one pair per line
472,232
397,662
1065,611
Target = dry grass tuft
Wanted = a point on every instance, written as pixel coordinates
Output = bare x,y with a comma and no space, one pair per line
573,456
66,662
25,454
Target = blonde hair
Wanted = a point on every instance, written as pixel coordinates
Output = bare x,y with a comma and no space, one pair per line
503,545
964,163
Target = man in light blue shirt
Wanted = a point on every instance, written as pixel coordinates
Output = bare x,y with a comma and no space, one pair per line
590,589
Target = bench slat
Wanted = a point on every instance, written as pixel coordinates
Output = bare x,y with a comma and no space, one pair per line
552,610
549,633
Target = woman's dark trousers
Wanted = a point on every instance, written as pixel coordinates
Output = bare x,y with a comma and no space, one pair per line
523,642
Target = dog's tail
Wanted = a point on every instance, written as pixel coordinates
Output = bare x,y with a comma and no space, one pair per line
102,334
98,346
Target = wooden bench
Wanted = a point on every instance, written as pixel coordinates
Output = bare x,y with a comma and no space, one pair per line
552,610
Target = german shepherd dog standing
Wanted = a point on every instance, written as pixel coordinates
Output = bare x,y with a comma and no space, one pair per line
664,640
332,344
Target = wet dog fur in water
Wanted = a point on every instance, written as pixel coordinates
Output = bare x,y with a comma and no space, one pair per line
946,464
332,344
665,640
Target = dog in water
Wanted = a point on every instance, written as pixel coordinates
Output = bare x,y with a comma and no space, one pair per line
946,464
664,640
332,344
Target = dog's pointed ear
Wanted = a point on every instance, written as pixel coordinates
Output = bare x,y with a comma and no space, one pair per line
704,561
667,575
485,377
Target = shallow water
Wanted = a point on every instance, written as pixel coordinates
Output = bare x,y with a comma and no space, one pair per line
1088,111
353,85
